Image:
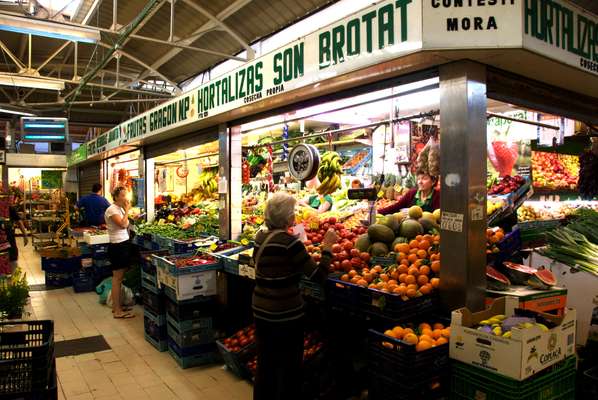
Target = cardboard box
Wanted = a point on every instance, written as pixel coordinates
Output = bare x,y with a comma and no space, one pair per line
526,353
95,239
553,300
188,286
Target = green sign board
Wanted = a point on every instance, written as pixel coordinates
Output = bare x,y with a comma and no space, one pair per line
51,179
78,155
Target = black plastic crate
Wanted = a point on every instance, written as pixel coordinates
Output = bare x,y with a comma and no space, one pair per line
189,338
154,325
26,356
398,361
145,259
155,302
50,392
368,303
62,279
99,250
83,281
380,387
236,362
590,383
100,272
191,309
185,351
61,265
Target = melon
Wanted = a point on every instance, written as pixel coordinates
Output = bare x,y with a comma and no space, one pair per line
428,215
428,225
393,222
495,280
381,233
363,243
519,274
410,228
542,279
378,249
436,214
415,212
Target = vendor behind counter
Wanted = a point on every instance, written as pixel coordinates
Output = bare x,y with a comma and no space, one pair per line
425,195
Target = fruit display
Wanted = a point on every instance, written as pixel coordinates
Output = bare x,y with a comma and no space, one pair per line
357,159
537,278
554,171
503,155
415,273
428,160
329,173
496,280
493,237
240,340
588,178
501,325
193,261
423,337
493,205
507,184
207,183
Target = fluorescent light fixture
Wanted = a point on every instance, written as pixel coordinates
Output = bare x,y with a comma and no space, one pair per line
44,137
41,27
5,110
30,82
60,125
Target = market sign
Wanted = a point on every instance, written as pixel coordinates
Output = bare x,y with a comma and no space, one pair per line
563,32
78,155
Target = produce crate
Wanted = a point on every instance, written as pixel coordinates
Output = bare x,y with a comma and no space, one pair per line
190,338
382,388
154,325
236,362
556,382
189,286
371,303
168,264
398,361
190,324
195,356
83,281
383,261
146,260
26,357
58,279
311,289
99,250
85,249
190,309
153,301
138,241
230,259
160,345
590,384
61,265
149,281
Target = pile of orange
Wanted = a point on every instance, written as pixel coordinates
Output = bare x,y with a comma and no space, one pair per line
416,272
493,236
424,337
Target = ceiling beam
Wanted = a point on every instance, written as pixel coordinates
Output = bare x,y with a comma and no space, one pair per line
14,58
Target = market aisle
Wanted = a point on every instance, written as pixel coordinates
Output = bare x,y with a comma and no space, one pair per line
132,369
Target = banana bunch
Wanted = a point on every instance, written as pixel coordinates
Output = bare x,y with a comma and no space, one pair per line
329,173
207,183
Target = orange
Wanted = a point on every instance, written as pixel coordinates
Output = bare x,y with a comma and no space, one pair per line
424,325
412,286
410,338
405,262
422,254
419,237
407,330
390,333
435,282
362,282
434,257
499,236
394,274
436,333
384,277
446,332
379,285
373,286
355,279
424,270
403,269
428,237
422,280
368,277
424,244
413,270
410,279
403,277
402,255
400,290
413,244
438,325
352,273
411,293
489,232
345,278
426,331
425,338
412,258
392,282
377,269
398,332
441,341
435,266
402,248
425,289
423,346
413,251
391,287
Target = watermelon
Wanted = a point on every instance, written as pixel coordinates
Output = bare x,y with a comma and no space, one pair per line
518,273
542,279
495,280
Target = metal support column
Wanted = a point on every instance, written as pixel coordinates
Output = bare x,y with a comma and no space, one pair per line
463,193
224,174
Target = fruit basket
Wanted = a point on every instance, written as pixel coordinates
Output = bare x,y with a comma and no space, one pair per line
187,263
230,256
235,355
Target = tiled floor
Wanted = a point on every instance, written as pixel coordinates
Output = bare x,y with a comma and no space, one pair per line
133,369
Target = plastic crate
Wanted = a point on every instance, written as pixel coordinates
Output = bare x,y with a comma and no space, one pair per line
83,281
160,345
153,301
190,309
26,356
99,250
100,273
168,263
236,362
50,392
101,262
368,303
149,282
85,249
154,325
311,289
194,356
58,279
189,338
590,384
61,265
382,388
556,382
190,324
145,260
399,361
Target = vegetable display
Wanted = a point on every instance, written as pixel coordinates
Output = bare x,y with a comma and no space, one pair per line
588,178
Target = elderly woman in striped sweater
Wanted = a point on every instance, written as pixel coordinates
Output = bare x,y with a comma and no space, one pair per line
281,260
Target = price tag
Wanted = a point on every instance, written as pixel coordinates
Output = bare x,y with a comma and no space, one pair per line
380,194
451,222
244,242
246,270
213,246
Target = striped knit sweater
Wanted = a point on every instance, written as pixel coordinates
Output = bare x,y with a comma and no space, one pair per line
283,262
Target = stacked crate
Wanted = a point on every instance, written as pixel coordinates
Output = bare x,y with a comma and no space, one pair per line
59,271
154,313
100,262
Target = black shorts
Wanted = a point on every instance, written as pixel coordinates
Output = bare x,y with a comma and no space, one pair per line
119,255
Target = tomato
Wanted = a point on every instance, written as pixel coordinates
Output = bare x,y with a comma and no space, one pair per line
356,262
343,255
337,265
317,257
346,265
307,242
337,248
365,257
332,220
325,227
355,253
348,246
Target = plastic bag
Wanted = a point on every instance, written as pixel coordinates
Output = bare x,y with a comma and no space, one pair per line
103,290
126,297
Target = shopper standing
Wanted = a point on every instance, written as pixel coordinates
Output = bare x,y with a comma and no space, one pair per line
94,206
280,261
119,249
13,221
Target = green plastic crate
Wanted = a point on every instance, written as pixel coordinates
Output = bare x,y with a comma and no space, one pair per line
555,383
